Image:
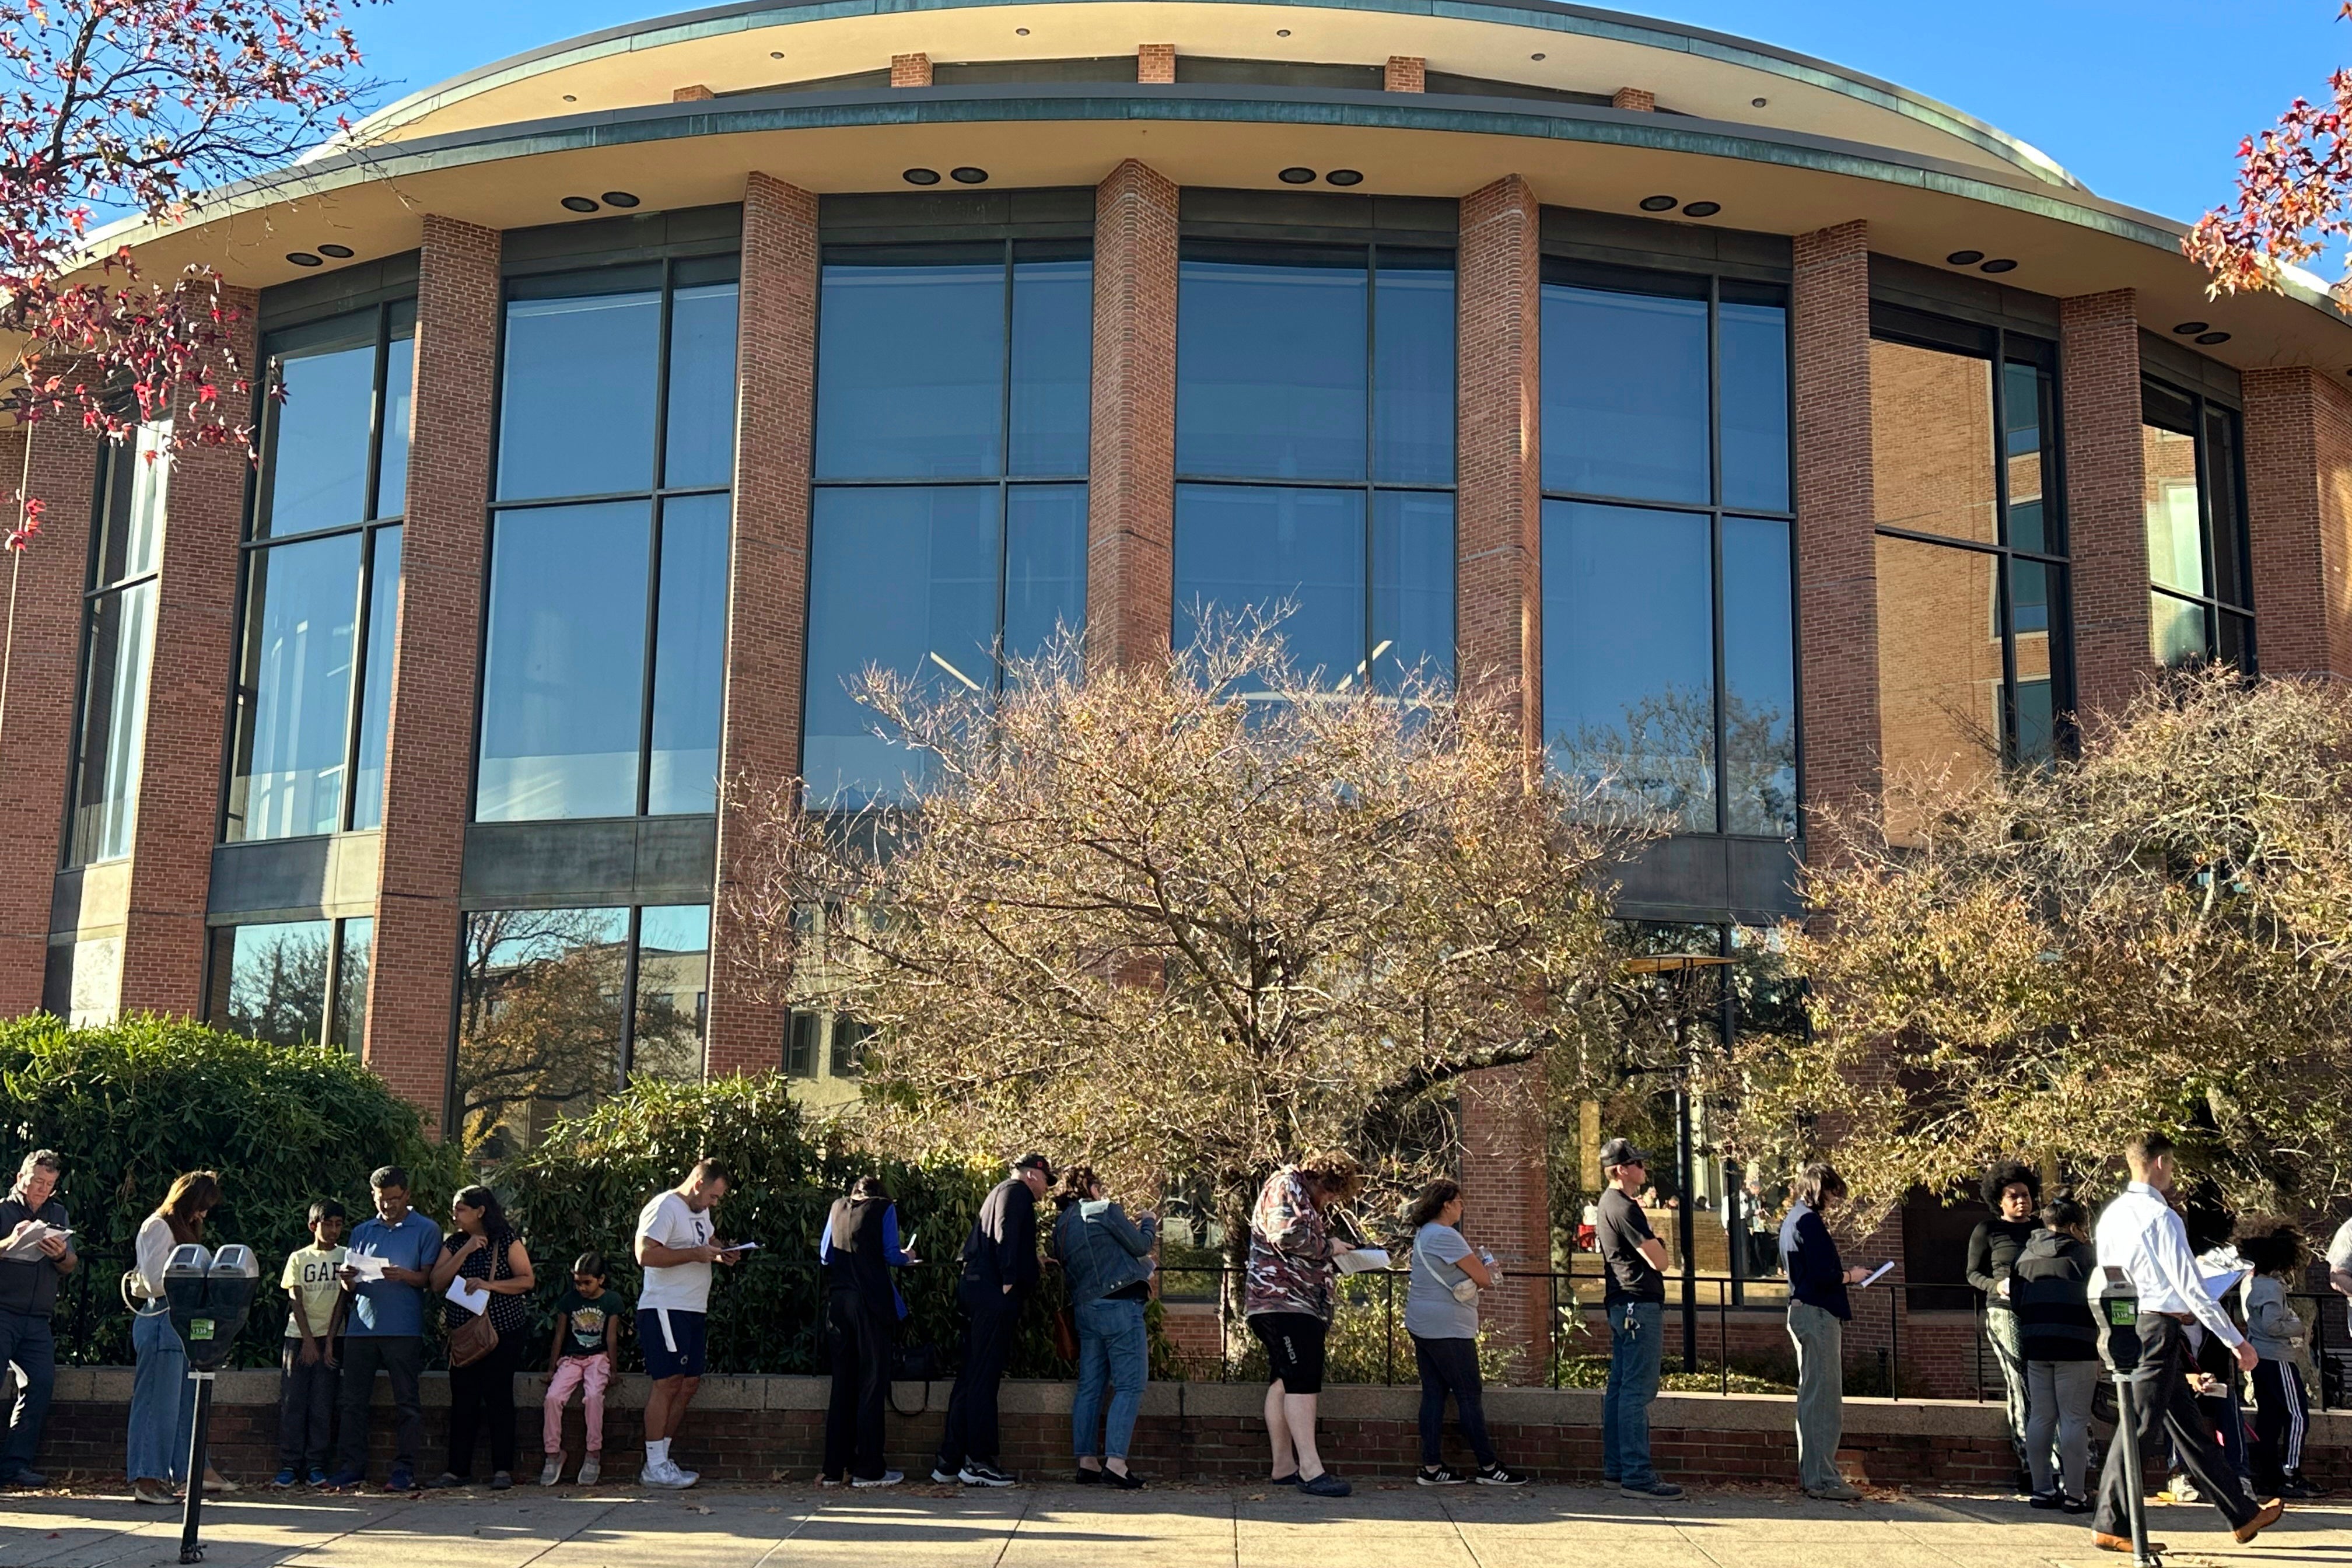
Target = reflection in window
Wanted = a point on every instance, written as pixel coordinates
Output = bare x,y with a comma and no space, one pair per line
323,577
602,660
952,416
1669,651
557,1008
1315,435
292,982
2198,607
119,634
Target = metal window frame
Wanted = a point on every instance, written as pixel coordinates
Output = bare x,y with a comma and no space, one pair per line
94,593
2203,406
330,1032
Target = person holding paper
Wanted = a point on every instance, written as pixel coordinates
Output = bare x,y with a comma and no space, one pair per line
2141,1237
484,1267
1441,1313
384,1330
1635,1300
37,1254
1107,1261
1000,1275
676,1247
1287,1303
1818,1311
2013,1190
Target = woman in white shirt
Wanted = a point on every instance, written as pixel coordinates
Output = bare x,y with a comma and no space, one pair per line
162,1400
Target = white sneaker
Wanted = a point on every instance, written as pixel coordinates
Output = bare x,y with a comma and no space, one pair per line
887,1479
589,1469
554,1470
654,1474
682,1479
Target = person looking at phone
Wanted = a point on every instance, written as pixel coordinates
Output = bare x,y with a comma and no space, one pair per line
676,1247
1818,1311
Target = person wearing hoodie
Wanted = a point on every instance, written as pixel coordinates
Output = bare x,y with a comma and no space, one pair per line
2060,1339
2277,1250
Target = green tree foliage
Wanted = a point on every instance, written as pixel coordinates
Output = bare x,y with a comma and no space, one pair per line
135,1103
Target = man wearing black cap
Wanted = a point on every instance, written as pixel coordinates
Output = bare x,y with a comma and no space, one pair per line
1000,1273
1635,1300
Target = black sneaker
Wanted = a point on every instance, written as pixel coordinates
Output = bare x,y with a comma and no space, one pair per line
2295,1485
1441,1476
941,1474
1503,1475
1326,1485
977,1473
1655,1490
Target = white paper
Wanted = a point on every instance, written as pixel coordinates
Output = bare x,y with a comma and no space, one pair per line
1361,1260
30,1245
1880,1272
367,1266
750,1246
2219,1285
462,1291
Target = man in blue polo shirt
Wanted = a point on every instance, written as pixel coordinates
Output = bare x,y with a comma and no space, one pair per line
385,1330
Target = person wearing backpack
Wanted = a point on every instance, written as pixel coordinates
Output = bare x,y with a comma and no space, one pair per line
1441,1313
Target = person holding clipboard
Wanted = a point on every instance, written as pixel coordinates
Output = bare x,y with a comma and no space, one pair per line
1818,1310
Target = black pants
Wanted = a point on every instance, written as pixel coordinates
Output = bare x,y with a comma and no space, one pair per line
479,1394
2279,1420
972,1407
1451,1366
859,1339
2161,1391
401,1358
306,1407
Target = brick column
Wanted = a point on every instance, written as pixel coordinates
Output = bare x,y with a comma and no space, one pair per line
911,70
767,593
1155,64
1131,462
1837,559
1499,598
2106,508
42,589
412,980
1640,98
188,713
1405,73
2299,519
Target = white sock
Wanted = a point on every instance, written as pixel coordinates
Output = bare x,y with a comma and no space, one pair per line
658,1452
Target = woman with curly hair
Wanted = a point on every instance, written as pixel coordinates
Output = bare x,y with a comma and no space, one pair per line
2013,1190
1287,1303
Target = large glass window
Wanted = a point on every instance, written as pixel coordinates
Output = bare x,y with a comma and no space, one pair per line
1315,451
292,982
1669,661
949,517
603,652
2199,605
118,644
323,577
558,1008
1971,561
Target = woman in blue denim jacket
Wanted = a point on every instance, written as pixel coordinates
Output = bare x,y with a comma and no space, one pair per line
1106,1260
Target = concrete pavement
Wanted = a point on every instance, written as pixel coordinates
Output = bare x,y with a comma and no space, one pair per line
1385,1525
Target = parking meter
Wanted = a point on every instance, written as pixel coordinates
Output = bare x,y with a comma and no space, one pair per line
2114,1304
210,1295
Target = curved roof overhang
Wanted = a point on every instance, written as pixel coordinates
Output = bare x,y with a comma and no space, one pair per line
2066,242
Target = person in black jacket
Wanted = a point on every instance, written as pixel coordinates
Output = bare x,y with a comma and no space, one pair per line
2060,1340
2013,1191
862,1310
1818,1311
1000,1275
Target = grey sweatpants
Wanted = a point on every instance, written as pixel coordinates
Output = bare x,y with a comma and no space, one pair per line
2058,1415
1820,1337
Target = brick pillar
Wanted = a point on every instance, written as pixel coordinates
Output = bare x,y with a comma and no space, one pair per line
2107,510
696,93
1499,596
1131,463
188,713
43,598
767,591
2299,518
1155,64
911,70
412,980
1405,73
1636,97
1837,559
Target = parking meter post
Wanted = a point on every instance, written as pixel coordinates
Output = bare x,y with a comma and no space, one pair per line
191,1514
2128,1433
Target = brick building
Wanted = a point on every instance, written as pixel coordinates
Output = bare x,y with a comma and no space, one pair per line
1767,429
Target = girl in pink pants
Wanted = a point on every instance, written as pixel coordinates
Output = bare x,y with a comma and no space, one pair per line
588,1323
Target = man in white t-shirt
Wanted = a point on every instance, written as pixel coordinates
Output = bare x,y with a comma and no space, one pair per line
675,1247
2339,1260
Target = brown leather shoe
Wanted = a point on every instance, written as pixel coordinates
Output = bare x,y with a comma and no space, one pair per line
2264,1517
2106,1542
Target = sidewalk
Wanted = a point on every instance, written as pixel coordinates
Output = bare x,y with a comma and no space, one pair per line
1385,1525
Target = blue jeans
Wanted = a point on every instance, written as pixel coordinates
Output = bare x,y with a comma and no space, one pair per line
26,1345
1111,1353
1636,1338
163,1400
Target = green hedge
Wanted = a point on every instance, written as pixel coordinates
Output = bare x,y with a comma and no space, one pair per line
132,1104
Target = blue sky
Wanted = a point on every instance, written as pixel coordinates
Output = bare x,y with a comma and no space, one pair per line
2144,99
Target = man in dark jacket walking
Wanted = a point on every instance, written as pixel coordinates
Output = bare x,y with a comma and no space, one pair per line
1000,1275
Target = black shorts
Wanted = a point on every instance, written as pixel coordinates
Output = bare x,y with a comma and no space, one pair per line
1294,1348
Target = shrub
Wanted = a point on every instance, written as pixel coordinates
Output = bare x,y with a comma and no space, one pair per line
132,1104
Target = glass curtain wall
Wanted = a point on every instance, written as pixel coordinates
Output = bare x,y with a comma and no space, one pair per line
1972,656
1315,452
323,577
950,513
557,1008
118,644
2199,604
292,982
1669,661
603,645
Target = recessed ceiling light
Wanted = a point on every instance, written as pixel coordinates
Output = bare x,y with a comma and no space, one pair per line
339,252
1020,32
1282,32
1346,176
1535,57
303,259
775,54
581,203
571,98
2000,264
1297,176
1756,103
1965,258
2212,337
921,177
2190,329
619,199
1702,209
968,175
1657,203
